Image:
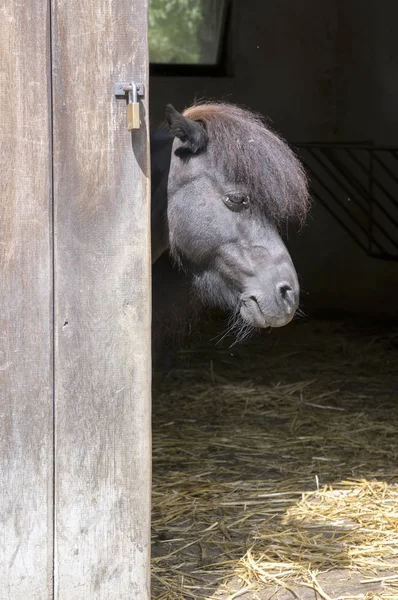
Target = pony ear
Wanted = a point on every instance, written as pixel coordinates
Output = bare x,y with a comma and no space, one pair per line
191,133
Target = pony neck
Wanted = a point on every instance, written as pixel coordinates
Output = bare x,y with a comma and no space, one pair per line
161,144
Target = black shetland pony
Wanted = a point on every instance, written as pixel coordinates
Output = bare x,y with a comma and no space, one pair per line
222,186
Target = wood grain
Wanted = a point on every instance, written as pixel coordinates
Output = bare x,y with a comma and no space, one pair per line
25,305
102,306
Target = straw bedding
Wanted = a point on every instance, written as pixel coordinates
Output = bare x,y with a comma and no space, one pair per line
275,468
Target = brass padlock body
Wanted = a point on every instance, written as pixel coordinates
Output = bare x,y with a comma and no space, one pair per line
133,116
133,109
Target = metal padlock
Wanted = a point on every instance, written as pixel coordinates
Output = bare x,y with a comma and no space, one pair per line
133,109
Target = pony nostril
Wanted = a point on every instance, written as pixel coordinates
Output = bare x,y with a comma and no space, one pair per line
286,292
284,289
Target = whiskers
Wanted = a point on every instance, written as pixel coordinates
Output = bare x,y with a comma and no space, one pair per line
299,314
237,328
242,331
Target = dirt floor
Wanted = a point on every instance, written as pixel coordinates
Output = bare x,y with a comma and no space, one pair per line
275,467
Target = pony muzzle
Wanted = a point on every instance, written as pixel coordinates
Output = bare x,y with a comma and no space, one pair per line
275,310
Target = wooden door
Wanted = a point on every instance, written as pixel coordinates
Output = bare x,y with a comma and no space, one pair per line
26,379
75,304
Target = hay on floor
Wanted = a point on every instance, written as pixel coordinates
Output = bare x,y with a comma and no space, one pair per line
275,468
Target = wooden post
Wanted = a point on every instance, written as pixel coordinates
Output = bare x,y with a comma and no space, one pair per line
102,303
74,267
26,431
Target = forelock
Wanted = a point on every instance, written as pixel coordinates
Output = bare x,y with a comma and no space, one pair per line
248,151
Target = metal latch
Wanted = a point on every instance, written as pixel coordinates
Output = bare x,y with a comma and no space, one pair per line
131,91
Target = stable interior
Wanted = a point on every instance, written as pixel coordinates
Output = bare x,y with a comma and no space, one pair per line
275,460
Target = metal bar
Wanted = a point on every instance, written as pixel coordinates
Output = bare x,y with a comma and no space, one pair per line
331,174
380,186
342,206
383,256
341,222
387,169
121,88
362,190
338,171
370,203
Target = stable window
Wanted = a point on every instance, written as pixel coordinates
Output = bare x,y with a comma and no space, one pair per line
187,36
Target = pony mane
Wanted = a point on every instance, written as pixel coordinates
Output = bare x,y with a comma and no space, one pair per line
243,145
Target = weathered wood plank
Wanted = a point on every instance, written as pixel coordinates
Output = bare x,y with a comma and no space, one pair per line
26,430
102,306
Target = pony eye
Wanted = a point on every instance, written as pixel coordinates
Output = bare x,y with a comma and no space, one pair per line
237,201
